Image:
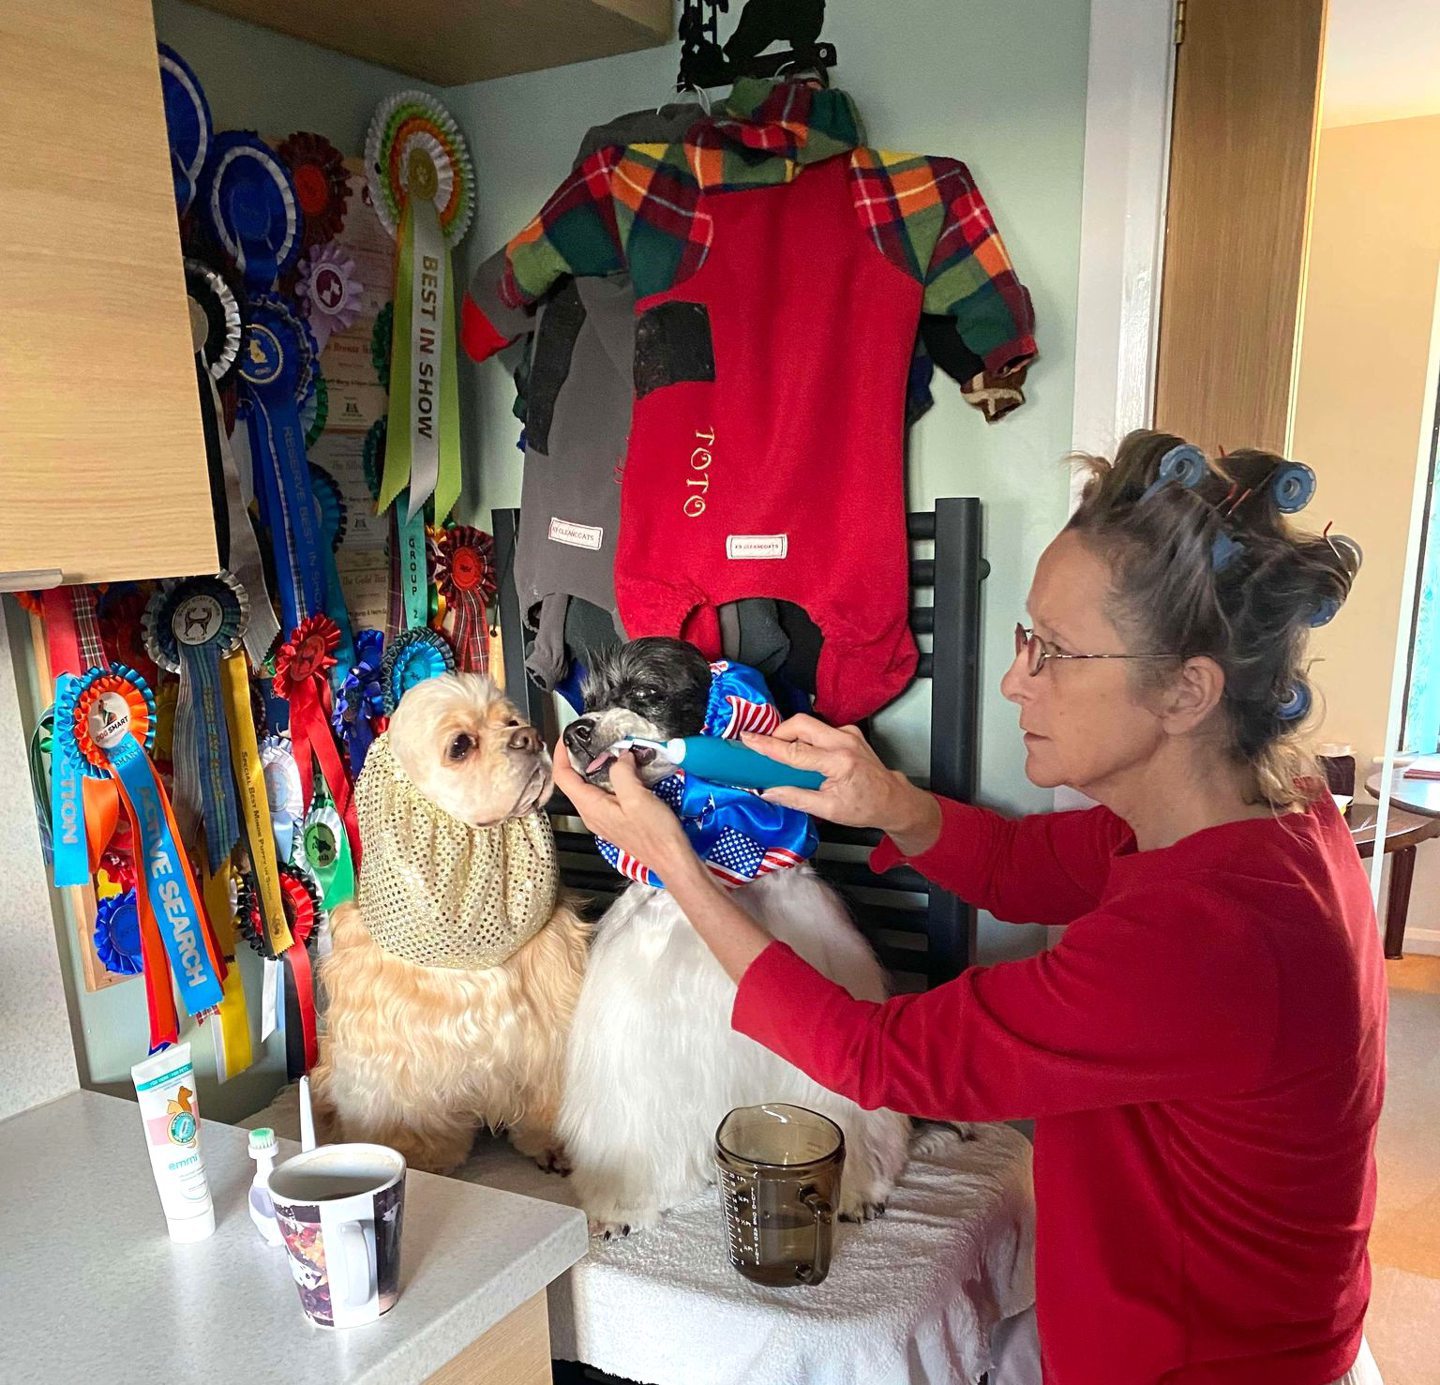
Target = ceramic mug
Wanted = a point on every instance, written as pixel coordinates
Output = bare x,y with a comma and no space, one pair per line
340,1210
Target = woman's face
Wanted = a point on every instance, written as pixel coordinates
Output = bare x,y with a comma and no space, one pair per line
1084,725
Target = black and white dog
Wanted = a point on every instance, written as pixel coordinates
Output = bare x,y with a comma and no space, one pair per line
653,1065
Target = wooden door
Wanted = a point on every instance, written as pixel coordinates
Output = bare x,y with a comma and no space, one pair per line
102,460
1247,83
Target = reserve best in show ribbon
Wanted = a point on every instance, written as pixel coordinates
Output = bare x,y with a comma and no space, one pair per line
190,626
105,724
277,371
422,185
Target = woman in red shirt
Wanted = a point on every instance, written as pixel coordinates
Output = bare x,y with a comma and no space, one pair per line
1203,1051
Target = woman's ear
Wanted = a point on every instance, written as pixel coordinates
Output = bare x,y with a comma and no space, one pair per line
1192,696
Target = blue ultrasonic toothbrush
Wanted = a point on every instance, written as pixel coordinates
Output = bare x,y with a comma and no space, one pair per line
725,762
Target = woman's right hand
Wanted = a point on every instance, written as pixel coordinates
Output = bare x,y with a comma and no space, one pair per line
858,790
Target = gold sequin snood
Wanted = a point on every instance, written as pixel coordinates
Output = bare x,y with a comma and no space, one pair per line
435,891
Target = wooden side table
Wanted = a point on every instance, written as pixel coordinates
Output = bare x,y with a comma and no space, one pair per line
1404,831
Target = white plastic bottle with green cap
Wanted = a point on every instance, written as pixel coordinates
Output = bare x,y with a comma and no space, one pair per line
263,1148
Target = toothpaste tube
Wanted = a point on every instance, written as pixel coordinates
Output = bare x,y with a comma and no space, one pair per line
170,1111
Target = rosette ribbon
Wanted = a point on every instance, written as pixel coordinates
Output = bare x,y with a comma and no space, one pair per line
411,658
190,626
360,700
422,184
276,370
105,725
323,849
322,186
302,668
83,810
233,1050
331,292
117,934
252,209
330,515
187,123
465,575
302,909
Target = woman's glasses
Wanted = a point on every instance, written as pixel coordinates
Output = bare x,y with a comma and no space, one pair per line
1037,652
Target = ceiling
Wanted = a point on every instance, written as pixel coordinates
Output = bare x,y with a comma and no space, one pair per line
1382,61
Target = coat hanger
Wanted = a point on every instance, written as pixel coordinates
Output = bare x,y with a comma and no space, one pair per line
704,63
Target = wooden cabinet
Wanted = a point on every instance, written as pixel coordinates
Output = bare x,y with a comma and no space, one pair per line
102,461
449,42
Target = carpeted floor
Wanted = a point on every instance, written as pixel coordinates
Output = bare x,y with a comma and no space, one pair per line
1404,1321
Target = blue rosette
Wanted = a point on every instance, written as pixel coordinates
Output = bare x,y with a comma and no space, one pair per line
117,934
250,203
360,700
92,706
187,122
413,657
189,627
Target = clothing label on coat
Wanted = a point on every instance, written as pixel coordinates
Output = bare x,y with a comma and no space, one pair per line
757,545
576,535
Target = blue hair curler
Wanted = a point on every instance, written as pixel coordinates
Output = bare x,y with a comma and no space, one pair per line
1224,551
1325,612
1184,464
1292,485
1296,702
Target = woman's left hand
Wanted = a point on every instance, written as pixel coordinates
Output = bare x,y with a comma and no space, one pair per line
631,817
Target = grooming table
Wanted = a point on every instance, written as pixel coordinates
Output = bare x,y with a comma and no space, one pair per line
912,1297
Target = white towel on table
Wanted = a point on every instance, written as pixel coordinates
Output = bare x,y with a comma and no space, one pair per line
912,1297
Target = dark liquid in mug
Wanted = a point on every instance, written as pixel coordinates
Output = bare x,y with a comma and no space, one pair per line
787,1244
326,1187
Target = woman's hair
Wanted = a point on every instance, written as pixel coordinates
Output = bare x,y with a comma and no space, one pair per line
1213,568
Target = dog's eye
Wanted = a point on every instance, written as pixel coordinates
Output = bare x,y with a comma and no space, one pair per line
461,746
514,721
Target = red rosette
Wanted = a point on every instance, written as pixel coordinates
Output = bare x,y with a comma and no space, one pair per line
465,576
309,650
302,668
302,912
121,616
322,186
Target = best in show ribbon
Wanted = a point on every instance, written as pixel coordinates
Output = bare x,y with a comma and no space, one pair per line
233,1050
253,787
302,669
330,514
105,724
422,185
465,575
190,626
276,370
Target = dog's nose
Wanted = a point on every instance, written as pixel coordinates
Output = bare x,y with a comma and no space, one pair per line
578,734
525,738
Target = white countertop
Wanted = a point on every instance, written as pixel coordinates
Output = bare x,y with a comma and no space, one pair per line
92,1289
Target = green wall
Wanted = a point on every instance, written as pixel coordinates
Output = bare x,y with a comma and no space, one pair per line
999,85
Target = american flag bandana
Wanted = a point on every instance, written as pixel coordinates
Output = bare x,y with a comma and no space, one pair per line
739,701
737,834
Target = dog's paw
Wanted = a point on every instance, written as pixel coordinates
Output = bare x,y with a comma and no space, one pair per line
608,1230
554,1160
861,1211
